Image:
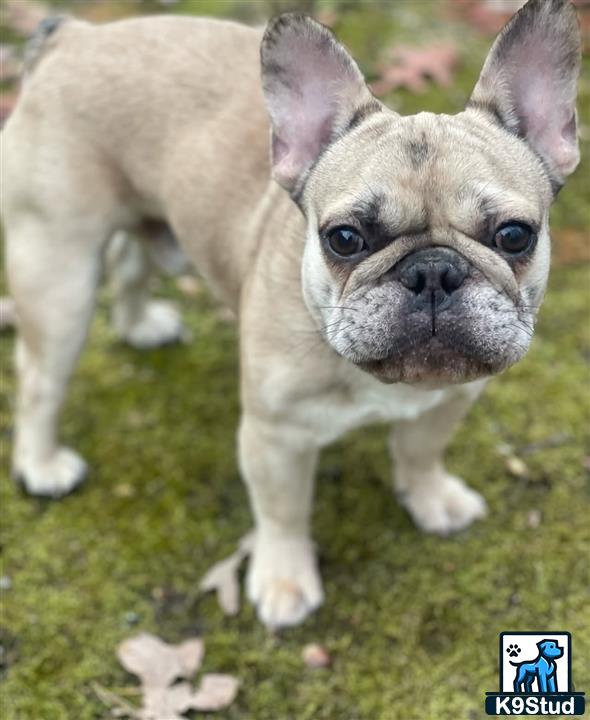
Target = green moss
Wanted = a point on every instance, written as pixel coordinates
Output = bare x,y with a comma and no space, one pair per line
411,621
406,615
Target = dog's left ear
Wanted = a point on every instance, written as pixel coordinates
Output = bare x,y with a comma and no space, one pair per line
529,81
313,89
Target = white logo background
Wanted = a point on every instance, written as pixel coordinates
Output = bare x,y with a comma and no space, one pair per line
529,652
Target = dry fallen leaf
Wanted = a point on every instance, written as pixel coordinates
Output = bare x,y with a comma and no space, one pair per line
485,16
9,63
223,577
215,692
23,17
166,702
157,663
316,656
411,67
516,467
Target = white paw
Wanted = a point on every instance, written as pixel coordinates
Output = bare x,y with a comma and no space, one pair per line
54,477
160,324
283,581
446,507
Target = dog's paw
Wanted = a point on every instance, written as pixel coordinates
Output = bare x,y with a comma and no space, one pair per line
445,508
283,581
53,478
160,324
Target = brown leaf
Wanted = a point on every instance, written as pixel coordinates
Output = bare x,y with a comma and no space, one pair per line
316,656
166,702
223,577
411,67
9,63
486,16
23,17
215,692
157,663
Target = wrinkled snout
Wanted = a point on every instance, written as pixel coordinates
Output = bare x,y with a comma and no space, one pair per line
432,275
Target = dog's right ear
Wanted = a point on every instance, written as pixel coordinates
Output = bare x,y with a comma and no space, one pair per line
314,91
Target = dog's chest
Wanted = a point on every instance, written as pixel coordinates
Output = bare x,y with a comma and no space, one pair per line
363,402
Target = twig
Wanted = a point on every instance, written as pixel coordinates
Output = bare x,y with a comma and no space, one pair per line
116,704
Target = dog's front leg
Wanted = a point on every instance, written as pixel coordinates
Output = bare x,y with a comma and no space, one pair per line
278,464
437,501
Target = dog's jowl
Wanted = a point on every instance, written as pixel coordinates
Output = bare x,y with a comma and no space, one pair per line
414,250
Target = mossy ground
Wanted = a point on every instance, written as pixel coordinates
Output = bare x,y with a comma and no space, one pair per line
411,621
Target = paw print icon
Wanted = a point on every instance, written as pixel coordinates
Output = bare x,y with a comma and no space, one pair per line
513,650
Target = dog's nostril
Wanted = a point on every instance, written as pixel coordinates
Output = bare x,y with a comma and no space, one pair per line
451,279
432,276
414,279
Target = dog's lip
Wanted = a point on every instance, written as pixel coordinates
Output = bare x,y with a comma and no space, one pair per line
432,366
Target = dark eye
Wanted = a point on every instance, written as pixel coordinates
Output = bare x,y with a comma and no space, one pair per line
514,238
345,241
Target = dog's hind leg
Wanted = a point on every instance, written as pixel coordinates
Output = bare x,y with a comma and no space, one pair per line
53,271
139,320
521,680
528,684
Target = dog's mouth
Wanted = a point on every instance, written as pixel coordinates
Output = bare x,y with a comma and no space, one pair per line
431,338
432,364
452,349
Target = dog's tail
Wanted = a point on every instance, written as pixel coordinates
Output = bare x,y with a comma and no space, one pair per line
39,42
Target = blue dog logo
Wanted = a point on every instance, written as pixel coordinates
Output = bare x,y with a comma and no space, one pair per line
543,669
541,686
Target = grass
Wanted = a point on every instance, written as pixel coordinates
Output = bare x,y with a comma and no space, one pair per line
411,621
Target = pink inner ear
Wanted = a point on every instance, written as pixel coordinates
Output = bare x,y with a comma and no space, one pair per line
318,87
544,104
301,141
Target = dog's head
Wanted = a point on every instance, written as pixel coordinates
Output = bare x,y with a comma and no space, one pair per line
550,649
427,248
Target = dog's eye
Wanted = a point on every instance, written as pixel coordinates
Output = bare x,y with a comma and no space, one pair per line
345,241
514,238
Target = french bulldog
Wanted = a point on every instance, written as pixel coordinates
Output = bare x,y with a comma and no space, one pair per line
382,267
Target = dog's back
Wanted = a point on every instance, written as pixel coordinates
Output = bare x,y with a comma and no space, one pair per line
156,117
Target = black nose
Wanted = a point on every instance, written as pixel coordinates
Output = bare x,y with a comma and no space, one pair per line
433,272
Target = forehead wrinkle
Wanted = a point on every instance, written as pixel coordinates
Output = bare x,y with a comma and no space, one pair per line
499,202
391,212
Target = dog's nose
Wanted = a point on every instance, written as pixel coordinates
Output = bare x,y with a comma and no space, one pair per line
434,273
